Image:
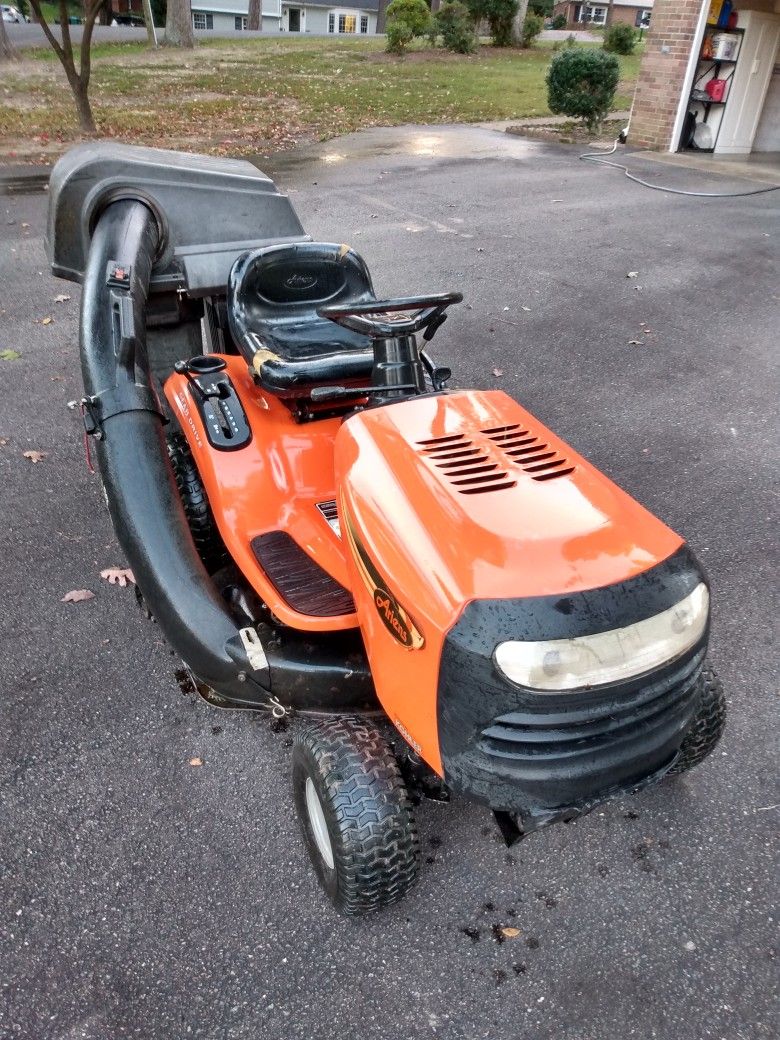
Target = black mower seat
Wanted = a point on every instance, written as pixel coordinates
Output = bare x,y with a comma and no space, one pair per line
273,296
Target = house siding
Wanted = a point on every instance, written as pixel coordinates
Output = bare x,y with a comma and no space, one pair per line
620,12
275,15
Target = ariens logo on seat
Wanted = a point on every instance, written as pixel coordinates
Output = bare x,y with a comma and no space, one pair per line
300,281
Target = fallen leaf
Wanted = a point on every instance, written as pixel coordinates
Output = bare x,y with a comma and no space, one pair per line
77,596
3,442
526,309
47,321
647,332
61,298
9,355
634,342
510,933
498,371
632,274
34,456
196,761
118,576
25,225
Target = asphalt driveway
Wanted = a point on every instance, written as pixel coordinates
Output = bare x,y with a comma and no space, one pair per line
143,897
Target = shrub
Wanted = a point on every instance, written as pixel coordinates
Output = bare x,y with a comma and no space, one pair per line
544,8
559,21
582,84
405,20
532,26
620,38
500,16
456,26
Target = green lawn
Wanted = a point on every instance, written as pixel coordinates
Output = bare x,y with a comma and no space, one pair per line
244,96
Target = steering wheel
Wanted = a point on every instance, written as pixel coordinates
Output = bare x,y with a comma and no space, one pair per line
386,319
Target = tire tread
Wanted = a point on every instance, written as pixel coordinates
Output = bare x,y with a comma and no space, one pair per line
377,851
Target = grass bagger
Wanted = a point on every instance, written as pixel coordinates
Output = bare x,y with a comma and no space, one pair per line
449,598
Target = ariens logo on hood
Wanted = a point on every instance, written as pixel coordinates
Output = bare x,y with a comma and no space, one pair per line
393,616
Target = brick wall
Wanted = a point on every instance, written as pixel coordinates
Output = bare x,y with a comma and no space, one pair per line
662,72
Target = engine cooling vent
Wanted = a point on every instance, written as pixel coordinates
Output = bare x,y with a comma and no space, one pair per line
304,585
468,467
531,453
331,514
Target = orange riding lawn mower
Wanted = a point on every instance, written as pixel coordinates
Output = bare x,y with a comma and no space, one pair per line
449,598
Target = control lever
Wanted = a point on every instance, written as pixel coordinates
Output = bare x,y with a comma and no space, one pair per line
218,404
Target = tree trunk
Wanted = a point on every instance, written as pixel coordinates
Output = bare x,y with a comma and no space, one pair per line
83,107
7,49
178,25
254,14
63,48
151,35
517,23
381,16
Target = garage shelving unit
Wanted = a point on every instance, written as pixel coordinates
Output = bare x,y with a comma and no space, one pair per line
707,111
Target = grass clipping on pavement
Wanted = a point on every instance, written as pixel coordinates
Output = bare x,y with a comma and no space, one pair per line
256,96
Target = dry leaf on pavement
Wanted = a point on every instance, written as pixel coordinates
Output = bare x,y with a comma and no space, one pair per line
47,320
118,576
61,298
196,761
498,371
510,933
34,456
632,274
9,355
77,596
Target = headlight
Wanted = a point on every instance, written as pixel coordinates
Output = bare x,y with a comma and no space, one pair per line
607,657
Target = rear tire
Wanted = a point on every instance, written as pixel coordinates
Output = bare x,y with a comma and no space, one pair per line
707,725
354,812
196,504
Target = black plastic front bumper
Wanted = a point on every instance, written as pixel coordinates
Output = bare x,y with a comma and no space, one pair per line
551,756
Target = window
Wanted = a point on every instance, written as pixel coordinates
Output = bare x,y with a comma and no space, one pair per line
332,22
589,13
202,20
643,19
240,23
347,23
364,23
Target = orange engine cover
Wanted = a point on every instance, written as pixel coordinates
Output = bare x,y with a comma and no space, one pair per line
447,499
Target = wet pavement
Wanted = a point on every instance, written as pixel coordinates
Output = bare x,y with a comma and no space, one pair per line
143,896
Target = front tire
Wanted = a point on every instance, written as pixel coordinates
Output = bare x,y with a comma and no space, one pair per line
354,811
706,727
